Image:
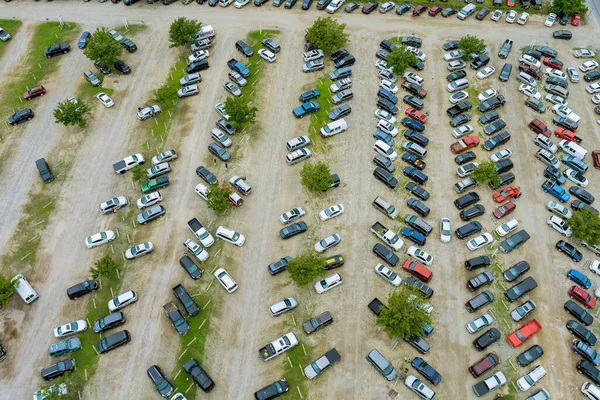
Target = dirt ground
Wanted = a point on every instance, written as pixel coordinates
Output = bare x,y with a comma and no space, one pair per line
242,324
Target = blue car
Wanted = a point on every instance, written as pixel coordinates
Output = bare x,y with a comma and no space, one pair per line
306,4
385,137
426,370
309,95
556,190
306,109
575,163
414,236
586,352
386,94
553,173
85,36
579,278
402,9
412,124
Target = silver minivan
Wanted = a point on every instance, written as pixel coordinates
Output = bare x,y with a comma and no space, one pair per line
385,207
382,365
458,84
527,79
465,184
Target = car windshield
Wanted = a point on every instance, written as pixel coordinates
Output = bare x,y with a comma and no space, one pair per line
324,284
162,385
520,336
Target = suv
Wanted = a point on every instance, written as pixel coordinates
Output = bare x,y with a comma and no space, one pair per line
487,338
466,200
128,45
44,170
246,50
482,299
91,78
505,49
477,262
158,378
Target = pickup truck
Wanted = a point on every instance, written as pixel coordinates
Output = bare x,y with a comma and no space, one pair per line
464,144
127,163
238,67
505,49
278,347
490,383
550,186
566,134
186,300
317,367
200,232
459,108
518,337
57,49
177,320
496,141
376,306
387,235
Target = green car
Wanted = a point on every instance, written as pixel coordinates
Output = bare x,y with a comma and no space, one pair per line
155,184
64,347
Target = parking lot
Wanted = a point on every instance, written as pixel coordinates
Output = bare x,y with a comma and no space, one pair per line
240,323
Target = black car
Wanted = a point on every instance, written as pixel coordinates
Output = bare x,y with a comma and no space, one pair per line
530,355
516,270
279,266
459,120
102,68
339,54
129,45
497,140
412,41
413,101
494,127
197,66
575,310
59,369
505,72
582,194
569,250
547,51
386,177
293,230
451,45
491,104
158,378
244,48
186,300
122,67
473,212
489,117
415,175
82,288
414,136
386,254
418,207
466,200
322,4
480,280
468,230
199,375
581,332
580,205
109,322
44,170
533,53
465,157
272,391
520,289
387,45
345,61
259,3
384,163
418,343
477,262
413,160
21,116
552,80
426,370
459,108
425,290
587,368
190,267
446,12
113,341
456,75
592,76
487,338
341,111
417,190
2,353
206,175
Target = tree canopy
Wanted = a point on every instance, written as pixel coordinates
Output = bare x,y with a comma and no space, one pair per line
400,59
182,32
102,47
585,225
316,177
470,44
405,315
6,290
327,34
105,267
241,113
304,268
71,113
486,171
218,198
569,7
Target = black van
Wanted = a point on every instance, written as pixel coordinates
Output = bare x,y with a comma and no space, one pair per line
190,267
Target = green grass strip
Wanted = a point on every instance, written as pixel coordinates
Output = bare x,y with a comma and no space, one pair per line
293,373
11,26
321,117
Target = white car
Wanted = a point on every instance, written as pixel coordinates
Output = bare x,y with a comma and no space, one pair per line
418,53
523,18
240,3
465,170
458,97
230,236
45,392
480,241
413,78
559,209
453,55
417,386
283,306
148,200
267,55
588,66
196,250
327,243
139,250
388,85
593,88
488,94
559,225
312,55
342,84
388,275
99,239
71,328
113,205
165,156
331,212
105,100
486,72
564,111
328,283
550,20
555,99
501,155
387,127
387,6
462,131
123,300
529,91
496,16
595,267
445,231
220,108
292,215
576,177
382,114
382,65
527,59
226,280
334,6
507,227
198,56
511,16
533,376
479,323
583,53
557,73
596,99
419,255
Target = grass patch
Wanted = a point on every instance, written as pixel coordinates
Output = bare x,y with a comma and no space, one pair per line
87,92
545,9
293,373
255,38
321,117
11,26
131,30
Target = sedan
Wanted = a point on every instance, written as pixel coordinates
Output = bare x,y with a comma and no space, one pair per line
479,323
480,241
550,20
388,275
186,91
488,94
576,177
456,65
511,16
220,108
583,53
387,85
293,230
419,255
71,328
523,310
197,56
327,243
122,301
139,250
292,215
445,232
530,355
328,283
113,205
486,73
458,97
105,100
559,209
385,254
387,127
462,131
582,194
501,155
151,214
99,239
283,306
573,74
569,250
331,212
588,66
507,227
453,55
384,115
234,90
529,91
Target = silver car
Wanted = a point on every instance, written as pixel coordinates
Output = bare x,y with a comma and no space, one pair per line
113,205
237,78
151,214
139,250
312,66
456,65
190,79
190,90
231,88
327,243
220,137
158,170
283,306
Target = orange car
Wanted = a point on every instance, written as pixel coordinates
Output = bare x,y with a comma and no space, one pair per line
416,115
518,337
564,133
507,193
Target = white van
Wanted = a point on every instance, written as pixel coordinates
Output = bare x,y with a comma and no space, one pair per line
205,32
297,143
527,79
333,128
573,149
24,289
591,391
382,148
466,11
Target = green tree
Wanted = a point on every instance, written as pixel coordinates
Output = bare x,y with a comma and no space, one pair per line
218,198
486,171
316,177
182,32
304,268
138,173
165,95
6,290
105,267
102,47
400,59
569,7
241,114
71,113
327,34
406,314
585,225
470,44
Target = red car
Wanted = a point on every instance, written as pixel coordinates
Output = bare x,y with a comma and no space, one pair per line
520,336
34,92
504,210
418,10
510,3
582,296
507,193
553,62
538,126
464,144
435,10
416,115
419,271
564,133
596,158
575,19
531,70
369,8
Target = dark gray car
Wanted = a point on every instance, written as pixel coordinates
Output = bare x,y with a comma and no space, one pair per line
151,214
218,151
